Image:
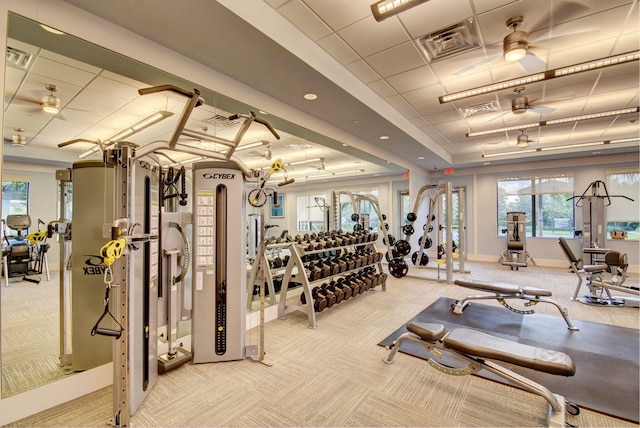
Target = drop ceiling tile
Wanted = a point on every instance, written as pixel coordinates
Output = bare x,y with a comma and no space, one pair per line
363,71
396,60
303,18
424,95
367,36
412,79
61,72
337,48
382,88
339,13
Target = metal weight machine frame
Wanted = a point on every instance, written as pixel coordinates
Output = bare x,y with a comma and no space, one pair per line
356,199
444,189
594,231
516,254
123,155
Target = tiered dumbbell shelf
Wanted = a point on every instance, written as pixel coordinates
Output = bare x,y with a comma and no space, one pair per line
336,265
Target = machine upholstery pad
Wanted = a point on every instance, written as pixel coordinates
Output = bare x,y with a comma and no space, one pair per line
500,287
483,345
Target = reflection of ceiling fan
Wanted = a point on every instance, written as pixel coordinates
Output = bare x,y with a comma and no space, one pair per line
266,154
319,167
17,140
50,103
521,104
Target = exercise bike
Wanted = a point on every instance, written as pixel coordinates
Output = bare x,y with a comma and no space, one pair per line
23,256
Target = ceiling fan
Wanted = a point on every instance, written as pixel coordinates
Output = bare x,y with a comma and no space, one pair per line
18,139
319,167
266,153
516,46
521,104
523,140
50,103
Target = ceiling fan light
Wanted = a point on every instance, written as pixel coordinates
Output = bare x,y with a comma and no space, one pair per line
515,46
51,104
523,141
18,140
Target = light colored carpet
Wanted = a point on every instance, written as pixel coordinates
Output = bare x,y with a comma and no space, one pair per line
334,376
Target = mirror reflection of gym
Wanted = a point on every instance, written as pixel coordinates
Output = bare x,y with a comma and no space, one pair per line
57,194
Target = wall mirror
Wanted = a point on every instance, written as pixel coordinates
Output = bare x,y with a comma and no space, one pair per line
95,92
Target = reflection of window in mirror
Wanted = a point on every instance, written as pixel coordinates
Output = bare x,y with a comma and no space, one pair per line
310,213
346,208
15,197
405,208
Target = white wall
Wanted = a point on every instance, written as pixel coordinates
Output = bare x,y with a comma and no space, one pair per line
488,246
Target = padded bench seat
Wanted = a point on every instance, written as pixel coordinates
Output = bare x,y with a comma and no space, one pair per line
501,287
483,345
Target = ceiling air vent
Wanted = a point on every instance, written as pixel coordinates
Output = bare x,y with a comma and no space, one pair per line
477,109
453,40
18,58
220,121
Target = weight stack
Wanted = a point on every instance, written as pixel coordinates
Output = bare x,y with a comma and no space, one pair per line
219,257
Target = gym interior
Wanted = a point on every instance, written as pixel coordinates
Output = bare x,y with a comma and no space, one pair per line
320,213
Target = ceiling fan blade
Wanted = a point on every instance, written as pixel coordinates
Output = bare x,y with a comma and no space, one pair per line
563,11
532,63
26,101
504,113
489,59
543,109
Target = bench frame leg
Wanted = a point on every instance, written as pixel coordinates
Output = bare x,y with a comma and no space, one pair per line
557,409
460,305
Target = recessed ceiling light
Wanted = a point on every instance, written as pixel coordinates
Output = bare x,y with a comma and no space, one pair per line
596,153
384,137
345,145
420,157
487,163
51,30
310,97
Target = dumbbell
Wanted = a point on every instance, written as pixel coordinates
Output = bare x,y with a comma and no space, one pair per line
337,292
345,289
319,302
328,295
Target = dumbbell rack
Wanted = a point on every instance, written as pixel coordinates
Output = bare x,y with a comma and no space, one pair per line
296,264
269,274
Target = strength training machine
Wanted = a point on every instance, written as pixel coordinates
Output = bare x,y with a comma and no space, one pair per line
602,278
594,225
503,292
476,348
516,254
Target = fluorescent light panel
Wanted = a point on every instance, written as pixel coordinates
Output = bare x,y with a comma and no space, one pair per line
384,9
547,75
567,146
137,127
556,121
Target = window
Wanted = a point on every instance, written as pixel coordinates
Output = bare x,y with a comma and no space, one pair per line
15,197
346,209
546,201
311,212
623,214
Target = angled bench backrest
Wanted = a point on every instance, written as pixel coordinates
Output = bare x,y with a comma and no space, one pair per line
567,251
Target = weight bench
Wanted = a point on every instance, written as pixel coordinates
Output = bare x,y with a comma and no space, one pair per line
503,291
474,347
615,264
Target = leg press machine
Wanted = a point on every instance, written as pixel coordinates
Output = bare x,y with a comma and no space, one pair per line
503,291
475,347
